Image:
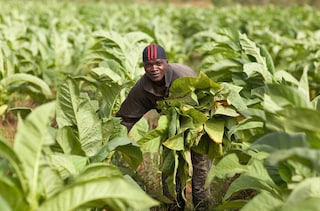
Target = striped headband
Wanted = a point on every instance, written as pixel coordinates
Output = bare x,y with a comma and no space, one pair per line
152,52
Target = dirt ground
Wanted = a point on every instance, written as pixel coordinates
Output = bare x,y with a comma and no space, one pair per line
8,127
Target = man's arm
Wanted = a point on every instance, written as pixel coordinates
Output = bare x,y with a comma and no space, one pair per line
128,122
133,107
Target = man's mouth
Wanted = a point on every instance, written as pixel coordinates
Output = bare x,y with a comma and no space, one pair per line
155,75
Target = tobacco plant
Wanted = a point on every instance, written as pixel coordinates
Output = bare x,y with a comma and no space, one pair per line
35,177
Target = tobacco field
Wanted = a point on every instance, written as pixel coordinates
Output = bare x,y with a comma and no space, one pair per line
254,108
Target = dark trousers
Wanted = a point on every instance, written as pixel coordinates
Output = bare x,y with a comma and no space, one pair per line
200,194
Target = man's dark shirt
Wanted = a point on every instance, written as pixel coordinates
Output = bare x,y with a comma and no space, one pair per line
145,94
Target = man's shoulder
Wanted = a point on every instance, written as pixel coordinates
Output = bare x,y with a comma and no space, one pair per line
142,86
140,83
182,70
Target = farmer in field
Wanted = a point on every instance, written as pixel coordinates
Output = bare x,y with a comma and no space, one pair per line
153,86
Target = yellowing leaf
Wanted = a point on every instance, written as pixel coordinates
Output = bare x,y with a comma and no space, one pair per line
175,142
224,102
216,150
226,111
215,129
3,109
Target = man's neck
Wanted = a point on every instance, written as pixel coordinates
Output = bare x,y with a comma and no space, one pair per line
161,83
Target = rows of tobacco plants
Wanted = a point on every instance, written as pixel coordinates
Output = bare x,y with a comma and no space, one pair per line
253,109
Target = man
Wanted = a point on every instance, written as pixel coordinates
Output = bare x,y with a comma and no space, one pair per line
153,86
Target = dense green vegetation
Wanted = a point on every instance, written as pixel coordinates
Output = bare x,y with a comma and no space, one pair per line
254,108
285,3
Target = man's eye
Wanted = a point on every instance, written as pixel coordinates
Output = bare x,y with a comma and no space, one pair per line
159,63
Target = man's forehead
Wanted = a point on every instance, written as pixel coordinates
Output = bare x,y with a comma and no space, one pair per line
154,61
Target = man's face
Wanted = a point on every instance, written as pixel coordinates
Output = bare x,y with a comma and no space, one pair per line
156,69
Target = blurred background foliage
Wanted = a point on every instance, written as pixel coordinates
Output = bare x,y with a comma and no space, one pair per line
313,3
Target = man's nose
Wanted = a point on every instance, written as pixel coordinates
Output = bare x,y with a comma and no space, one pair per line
154,66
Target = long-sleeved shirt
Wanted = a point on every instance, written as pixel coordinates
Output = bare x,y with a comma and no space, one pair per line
145,93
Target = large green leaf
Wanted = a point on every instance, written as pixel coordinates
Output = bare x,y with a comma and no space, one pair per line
75,110
234,97
245,182
263,201
257,169
129,150
284,96
68,141
20,78
11,196
304,84
215,129
12,189
294,120
255,177
251,69
250,48
67,165
272,142
306,156
175,142
7,153
139,129
96,171
110,93
28,145
171,168
226,111
269,61
110,80
307,189
151,142
222,69
281,75
125,49
186,94
227,167
114,193
51,181
67,103
248,124
108,74
311,203
89,127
